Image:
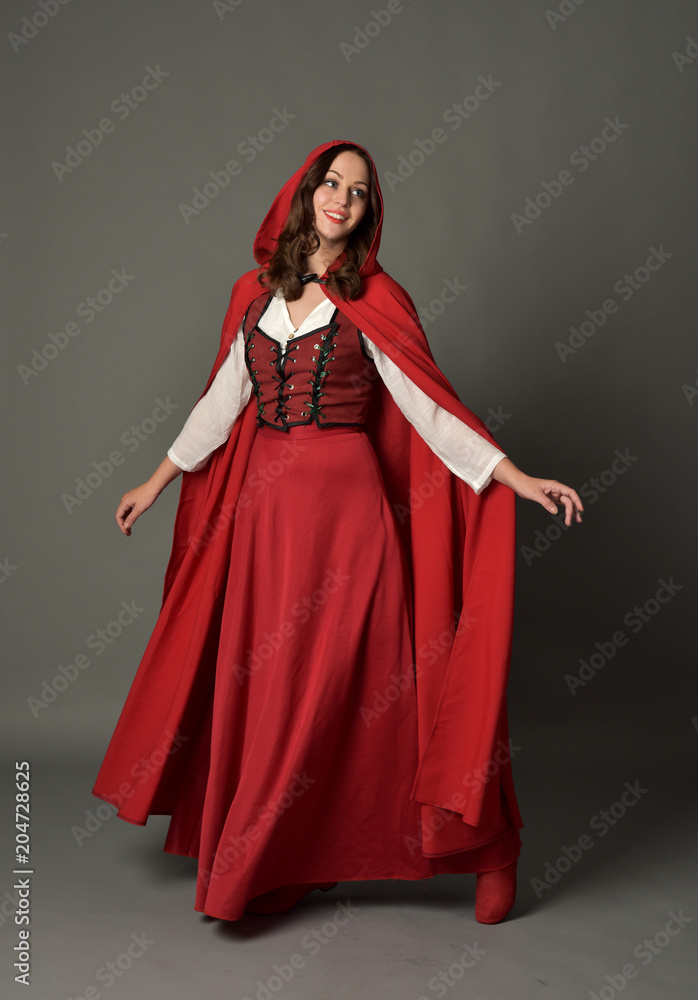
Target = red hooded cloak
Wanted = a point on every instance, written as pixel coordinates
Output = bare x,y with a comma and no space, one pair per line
460,550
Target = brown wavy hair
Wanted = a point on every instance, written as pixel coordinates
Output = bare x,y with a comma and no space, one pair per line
299,238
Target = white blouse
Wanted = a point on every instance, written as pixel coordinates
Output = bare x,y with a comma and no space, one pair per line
465,452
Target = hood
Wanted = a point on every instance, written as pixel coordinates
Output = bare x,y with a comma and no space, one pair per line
274,221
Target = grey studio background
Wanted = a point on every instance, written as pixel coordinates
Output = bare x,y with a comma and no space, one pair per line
538,167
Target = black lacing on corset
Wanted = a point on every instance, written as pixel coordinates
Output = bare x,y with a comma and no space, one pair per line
321,371
282,378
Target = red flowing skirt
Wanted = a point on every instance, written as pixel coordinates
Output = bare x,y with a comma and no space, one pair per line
313,721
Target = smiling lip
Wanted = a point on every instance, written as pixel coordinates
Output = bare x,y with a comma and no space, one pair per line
337,222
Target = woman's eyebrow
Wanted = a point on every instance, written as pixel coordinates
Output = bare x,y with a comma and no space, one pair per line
330,171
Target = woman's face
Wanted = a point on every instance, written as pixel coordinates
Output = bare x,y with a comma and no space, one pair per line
342,197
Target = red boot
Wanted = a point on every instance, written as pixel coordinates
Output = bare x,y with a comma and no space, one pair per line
283,898
495,893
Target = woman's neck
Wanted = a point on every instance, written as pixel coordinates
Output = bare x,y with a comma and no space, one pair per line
325,255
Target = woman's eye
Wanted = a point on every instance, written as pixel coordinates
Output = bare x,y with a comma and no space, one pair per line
360,191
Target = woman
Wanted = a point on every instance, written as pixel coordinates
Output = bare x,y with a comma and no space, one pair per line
323,697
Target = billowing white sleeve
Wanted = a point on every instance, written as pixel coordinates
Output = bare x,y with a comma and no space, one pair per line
211,421
462,450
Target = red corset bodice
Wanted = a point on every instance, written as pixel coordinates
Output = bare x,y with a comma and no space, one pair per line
323,376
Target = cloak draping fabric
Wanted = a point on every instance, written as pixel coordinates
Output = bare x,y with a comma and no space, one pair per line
460,554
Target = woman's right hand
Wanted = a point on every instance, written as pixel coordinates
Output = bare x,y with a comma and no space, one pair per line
133,504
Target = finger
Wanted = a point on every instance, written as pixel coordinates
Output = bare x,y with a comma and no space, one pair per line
547,501
573,506
561,492
125,516
569,508
573,495
122,510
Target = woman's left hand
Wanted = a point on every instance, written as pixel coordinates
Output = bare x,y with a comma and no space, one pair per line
547,492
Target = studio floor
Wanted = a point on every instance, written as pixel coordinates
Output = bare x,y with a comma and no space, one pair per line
607,904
